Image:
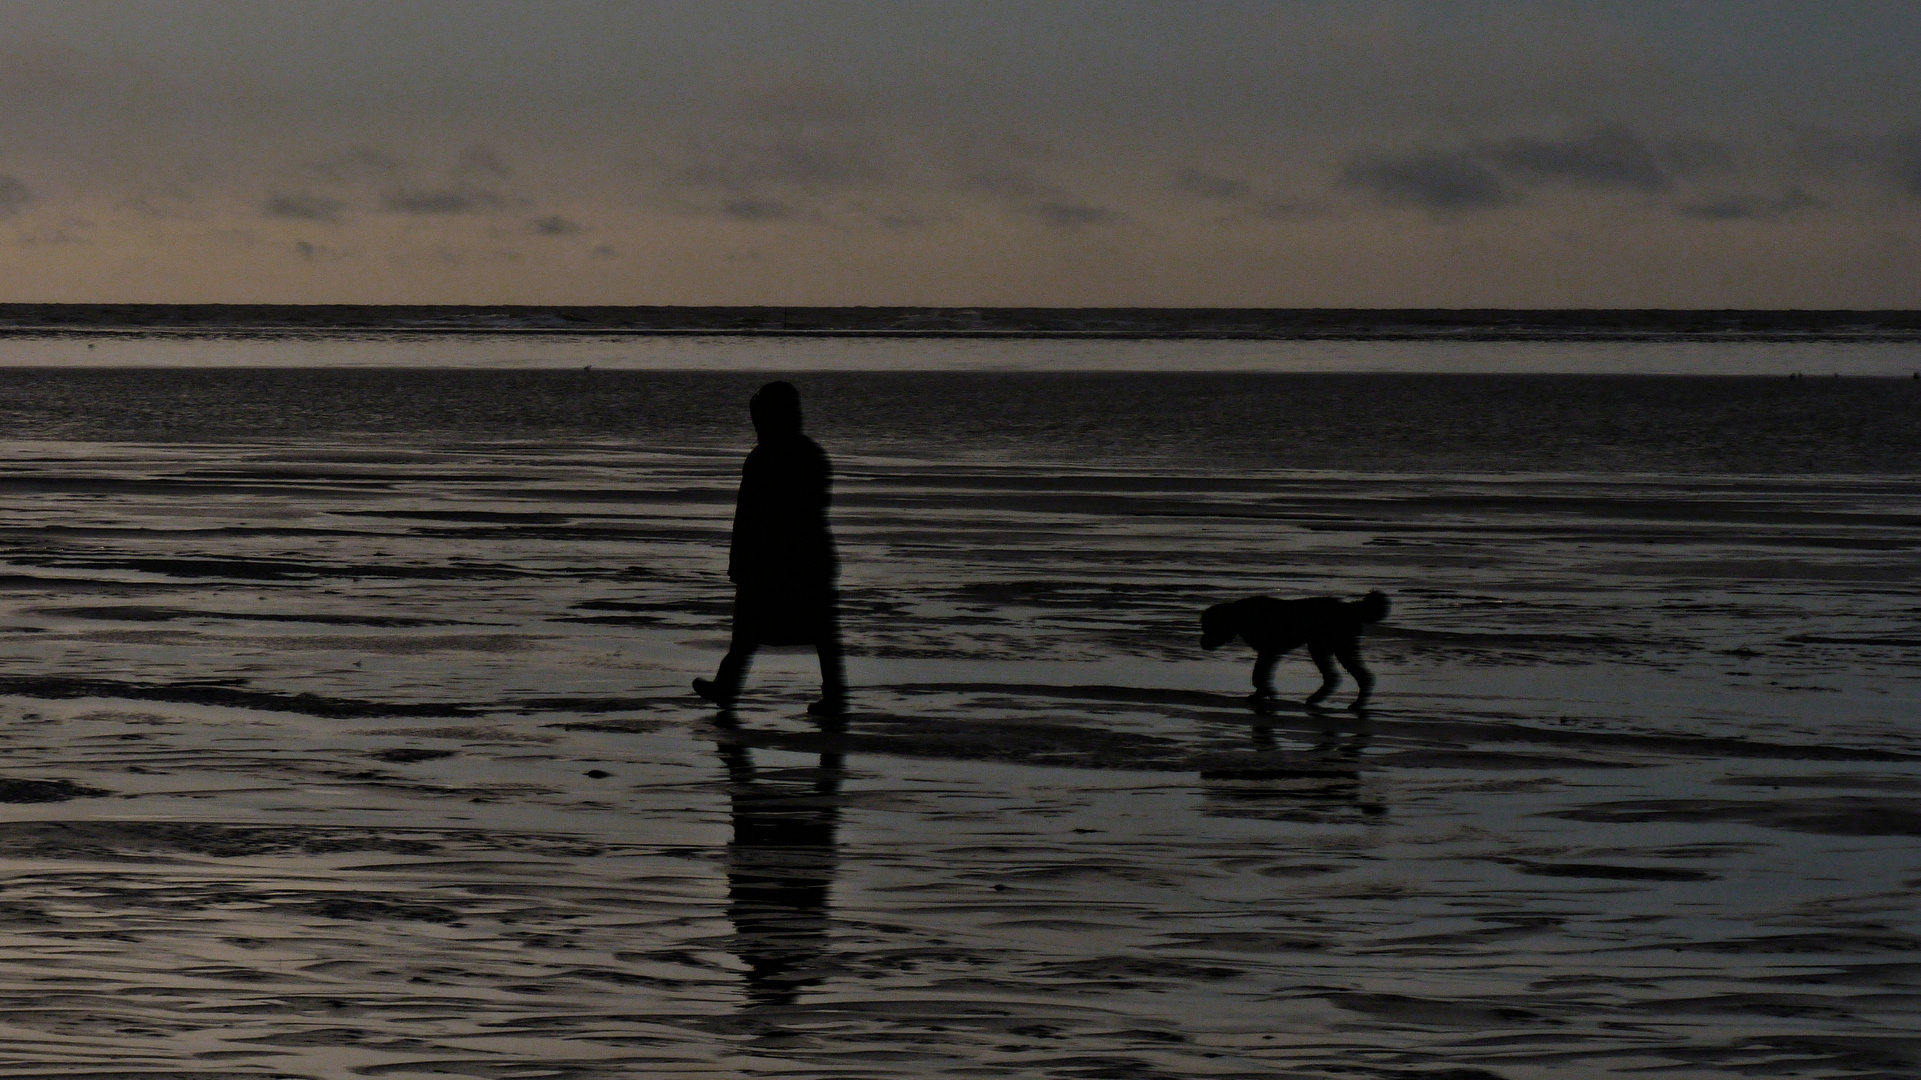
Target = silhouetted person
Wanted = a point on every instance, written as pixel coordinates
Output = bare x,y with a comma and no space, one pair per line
780,867
783,564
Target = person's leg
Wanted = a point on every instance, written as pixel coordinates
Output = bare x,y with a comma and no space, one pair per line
833,672
724,687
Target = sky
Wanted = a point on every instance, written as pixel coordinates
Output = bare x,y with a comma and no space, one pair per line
1288,153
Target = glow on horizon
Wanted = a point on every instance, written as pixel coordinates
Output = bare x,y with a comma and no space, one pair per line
622,352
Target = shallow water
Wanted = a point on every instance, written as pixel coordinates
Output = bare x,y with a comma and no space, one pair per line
496,351
368,753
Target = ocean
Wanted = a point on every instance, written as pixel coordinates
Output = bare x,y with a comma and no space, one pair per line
350,732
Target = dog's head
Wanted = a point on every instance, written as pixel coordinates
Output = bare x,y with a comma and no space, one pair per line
1218,626
1373,606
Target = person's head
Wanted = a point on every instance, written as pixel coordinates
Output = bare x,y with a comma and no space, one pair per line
776,410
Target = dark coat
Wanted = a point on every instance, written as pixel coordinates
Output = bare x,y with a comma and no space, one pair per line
783,560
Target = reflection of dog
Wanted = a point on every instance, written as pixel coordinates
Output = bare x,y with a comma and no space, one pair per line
1330,628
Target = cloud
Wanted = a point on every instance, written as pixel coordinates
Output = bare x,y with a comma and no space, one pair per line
555,225
450,199
1905,164
1206,185
1749,207
69,230
163,202
1610,156
1025,194
1074,215
1488,175
812,164
774,179
14,196
1288,208
356,164
360,176
1008,183
1439,181
756,210
1685,155
896,220
480,161
304,207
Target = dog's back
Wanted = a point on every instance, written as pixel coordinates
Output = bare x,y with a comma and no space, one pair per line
1278,626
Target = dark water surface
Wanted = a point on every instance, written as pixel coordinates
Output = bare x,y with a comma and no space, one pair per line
1393,423
348,733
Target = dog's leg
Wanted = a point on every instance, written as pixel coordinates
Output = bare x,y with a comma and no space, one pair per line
1350,657
1264,676
1330,677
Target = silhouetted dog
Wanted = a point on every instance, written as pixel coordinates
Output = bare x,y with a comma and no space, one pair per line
1330,628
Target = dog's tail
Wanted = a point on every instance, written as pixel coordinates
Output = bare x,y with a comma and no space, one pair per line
1373,606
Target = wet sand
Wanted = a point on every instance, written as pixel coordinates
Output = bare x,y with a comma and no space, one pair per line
343,761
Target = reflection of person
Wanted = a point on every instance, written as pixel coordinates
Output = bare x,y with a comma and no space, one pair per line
783,564
779,870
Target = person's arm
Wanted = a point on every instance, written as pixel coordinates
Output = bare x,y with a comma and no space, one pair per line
747,507
826,482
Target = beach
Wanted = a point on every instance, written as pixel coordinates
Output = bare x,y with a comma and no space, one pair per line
350,732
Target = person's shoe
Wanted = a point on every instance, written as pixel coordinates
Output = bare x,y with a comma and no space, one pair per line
710,691
833,707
